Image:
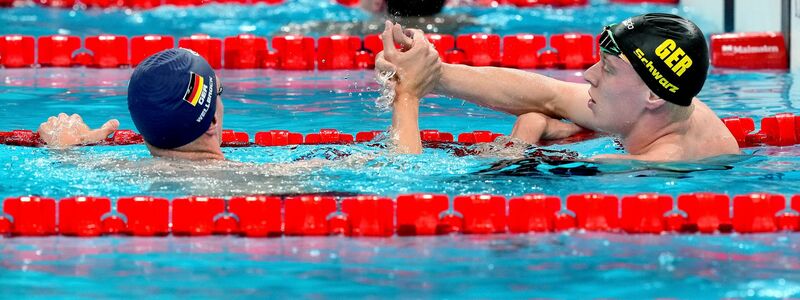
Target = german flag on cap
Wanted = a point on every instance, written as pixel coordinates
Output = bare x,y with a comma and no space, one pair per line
194,90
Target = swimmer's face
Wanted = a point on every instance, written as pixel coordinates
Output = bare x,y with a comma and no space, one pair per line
617,95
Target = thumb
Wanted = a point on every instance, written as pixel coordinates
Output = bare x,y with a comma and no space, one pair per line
418,36
103,132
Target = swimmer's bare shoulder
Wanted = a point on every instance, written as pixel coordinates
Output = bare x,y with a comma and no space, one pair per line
707,135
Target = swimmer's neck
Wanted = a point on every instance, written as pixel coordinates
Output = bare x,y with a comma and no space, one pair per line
187,153
653,131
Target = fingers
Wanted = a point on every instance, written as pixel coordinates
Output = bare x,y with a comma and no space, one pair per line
103,132
401,37
76,118
388,41
110,126
418,36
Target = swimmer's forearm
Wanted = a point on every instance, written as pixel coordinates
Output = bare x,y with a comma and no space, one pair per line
405,124
508,90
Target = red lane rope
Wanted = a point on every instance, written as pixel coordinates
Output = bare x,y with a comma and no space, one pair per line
782,129
411,214
343,52
148,4
232,138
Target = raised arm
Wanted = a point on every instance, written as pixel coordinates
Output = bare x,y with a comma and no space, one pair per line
416,71
517,92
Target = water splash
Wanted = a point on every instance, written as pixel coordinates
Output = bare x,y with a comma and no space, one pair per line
384,78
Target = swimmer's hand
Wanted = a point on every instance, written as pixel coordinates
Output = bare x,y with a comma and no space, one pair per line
64,131
417,67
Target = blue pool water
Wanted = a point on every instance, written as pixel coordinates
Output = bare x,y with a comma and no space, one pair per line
568,265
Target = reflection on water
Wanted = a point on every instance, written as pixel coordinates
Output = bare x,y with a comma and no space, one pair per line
498,266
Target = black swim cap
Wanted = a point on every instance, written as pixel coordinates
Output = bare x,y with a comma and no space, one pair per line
414,8
172,97
668,52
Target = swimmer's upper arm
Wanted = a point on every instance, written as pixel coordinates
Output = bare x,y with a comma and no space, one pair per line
570,101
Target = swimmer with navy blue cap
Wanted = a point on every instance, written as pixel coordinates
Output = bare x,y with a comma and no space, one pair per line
174,101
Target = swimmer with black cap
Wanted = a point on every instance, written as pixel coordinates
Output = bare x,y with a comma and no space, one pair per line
643,90
174,101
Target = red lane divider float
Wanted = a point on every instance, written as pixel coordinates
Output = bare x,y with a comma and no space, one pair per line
108,51
245,51
432,135
148,4
258,216
294,52
308,215
195,215
146,45
328,136
278,138
206,46
596,212
337,52
369,215
757,212
146,216
408,215
533,213
420,214
645,213
706,212
16,51
482,214
232,138
32,216
778,130
56,50
343,52
82,216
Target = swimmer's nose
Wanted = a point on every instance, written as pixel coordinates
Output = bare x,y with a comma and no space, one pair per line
590,75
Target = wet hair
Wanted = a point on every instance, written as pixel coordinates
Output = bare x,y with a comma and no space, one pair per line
414,8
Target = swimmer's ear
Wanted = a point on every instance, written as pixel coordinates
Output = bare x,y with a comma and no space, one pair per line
654,101
212,128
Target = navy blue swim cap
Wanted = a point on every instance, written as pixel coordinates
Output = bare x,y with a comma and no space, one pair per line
172,97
